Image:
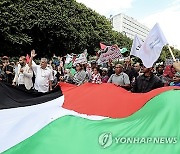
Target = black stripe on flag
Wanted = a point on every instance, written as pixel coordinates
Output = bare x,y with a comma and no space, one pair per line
11,97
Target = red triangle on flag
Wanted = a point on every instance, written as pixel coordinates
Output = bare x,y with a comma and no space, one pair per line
102,46
27,58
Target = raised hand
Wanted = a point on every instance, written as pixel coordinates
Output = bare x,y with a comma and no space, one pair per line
33,54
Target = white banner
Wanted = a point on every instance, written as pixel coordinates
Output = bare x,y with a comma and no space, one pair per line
81,58
68,59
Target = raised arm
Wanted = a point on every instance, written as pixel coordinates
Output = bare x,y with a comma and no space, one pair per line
33,54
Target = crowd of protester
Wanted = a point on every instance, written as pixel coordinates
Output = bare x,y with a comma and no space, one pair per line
42,77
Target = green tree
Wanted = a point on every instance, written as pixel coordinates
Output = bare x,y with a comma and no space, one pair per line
53,26
165,54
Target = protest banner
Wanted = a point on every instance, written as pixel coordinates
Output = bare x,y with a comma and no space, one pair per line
112,53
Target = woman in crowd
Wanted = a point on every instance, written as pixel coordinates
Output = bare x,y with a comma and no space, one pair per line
96,77
80,75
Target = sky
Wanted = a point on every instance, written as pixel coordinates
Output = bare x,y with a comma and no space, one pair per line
164,12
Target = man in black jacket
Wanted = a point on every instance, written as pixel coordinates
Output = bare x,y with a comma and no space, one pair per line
146,82
129,70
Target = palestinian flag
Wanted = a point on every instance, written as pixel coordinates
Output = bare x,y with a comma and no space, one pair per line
103,46
90,119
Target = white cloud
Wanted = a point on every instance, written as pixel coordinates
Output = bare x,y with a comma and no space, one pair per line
107,7
169,22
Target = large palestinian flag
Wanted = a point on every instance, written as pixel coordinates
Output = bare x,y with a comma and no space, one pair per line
89,119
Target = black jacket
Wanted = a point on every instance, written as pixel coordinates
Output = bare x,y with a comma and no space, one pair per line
131,72
144,84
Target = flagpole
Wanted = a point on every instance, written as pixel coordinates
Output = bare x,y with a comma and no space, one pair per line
171,53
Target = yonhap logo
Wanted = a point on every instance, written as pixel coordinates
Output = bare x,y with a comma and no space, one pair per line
105,139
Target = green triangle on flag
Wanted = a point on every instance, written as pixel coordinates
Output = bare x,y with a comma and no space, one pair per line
123,50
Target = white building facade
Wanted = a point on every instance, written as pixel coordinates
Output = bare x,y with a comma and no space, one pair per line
129,26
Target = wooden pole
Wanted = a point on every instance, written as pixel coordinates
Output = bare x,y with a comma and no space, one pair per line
171,53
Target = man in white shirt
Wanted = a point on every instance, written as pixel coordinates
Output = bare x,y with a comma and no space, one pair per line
23,76
43,75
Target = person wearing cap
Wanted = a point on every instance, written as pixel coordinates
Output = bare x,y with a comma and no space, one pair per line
104,75
146,82
120,78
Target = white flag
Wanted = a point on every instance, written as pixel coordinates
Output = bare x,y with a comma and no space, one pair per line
68,59
137,43
151,48
80,58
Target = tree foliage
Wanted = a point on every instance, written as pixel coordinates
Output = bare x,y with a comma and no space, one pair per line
165,54
53,26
